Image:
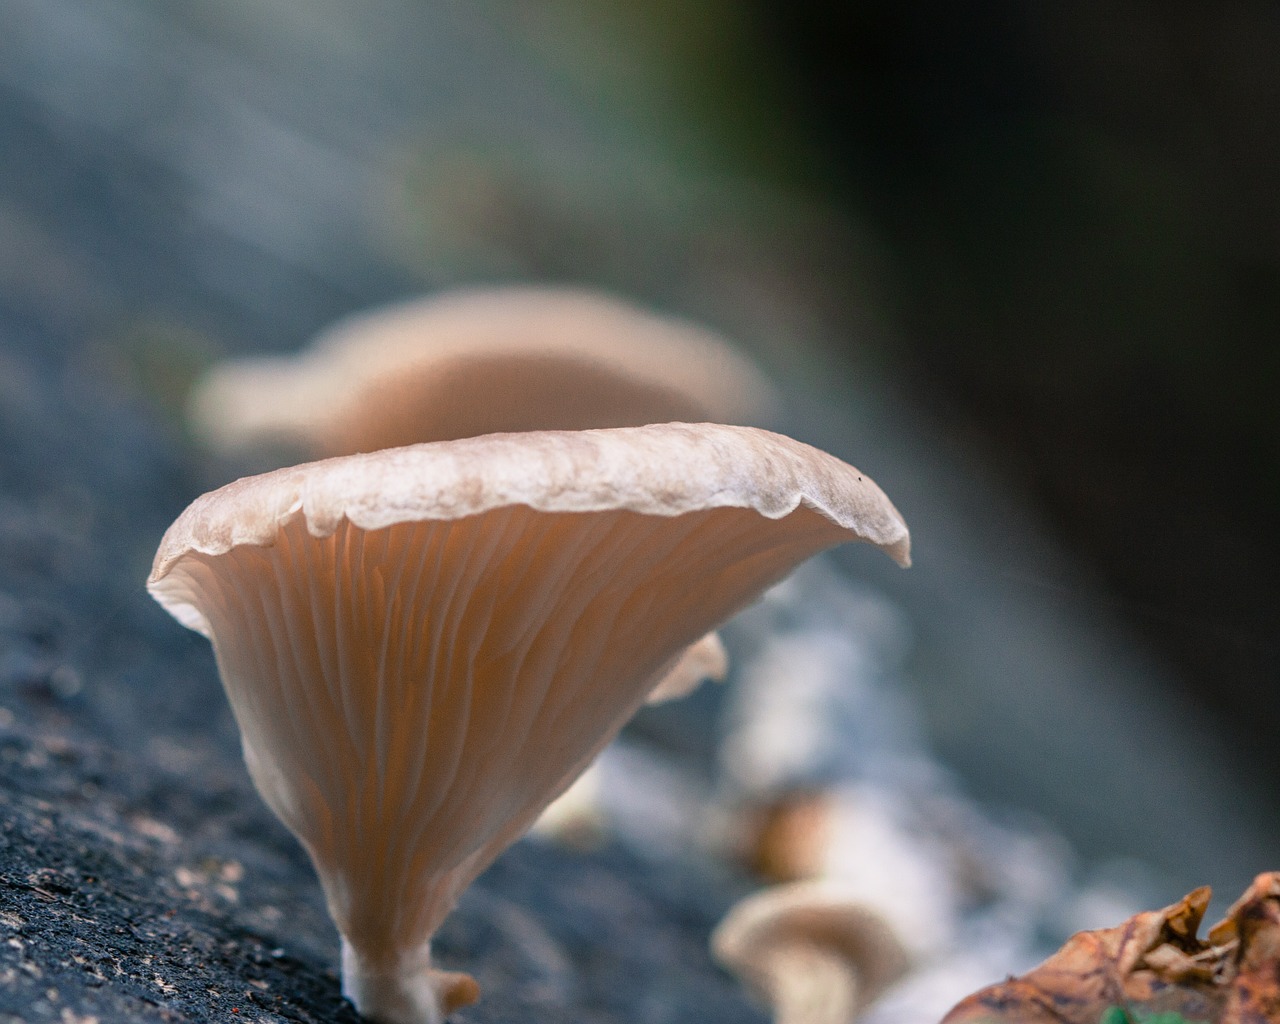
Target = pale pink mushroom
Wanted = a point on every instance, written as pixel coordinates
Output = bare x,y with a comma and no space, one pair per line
424,646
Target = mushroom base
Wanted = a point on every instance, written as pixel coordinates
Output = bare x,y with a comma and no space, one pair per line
409,991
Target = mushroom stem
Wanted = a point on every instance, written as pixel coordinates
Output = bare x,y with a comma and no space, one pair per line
406,991
810,985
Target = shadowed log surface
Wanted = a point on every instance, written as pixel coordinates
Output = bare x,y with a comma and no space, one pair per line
138,891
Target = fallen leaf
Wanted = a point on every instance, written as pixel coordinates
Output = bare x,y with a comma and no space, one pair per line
1153,969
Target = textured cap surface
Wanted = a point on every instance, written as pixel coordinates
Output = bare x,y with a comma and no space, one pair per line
663,469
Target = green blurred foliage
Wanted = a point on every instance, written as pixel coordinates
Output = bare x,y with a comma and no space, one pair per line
697,81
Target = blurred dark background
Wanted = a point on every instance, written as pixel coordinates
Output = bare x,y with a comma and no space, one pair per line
1070,257
1080,217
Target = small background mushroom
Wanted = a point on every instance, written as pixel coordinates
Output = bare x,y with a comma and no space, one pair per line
817,953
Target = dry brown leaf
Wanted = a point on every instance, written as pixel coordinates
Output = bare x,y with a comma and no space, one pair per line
1153,969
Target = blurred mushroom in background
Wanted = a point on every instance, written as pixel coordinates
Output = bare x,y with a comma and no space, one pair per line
816,954
473,362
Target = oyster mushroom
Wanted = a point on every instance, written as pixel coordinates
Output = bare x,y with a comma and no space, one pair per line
478,362
815,953
424,646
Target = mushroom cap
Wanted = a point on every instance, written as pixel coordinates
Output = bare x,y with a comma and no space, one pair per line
479,362
424,646
668,469
815,951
